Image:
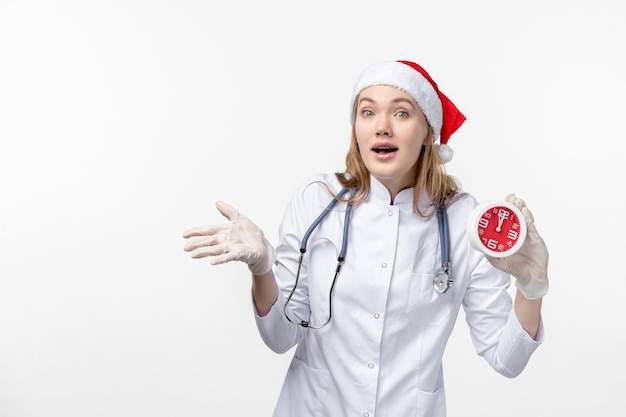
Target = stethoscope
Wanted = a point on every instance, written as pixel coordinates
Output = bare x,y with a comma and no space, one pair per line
441,282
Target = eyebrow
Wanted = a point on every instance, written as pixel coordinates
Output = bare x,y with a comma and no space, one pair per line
395,100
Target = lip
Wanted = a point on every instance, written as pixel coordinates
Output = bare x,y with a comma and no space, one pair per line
384,155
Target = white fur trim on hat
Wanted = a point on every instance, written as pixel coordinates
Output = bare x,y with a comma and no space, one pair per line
407,79
445,152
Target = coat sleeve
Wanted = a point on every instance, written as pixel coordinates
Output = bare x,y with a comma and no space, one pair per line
278,333
496,332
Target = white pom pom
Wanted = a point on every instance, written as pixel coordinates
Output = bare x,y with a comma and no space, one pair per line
445,152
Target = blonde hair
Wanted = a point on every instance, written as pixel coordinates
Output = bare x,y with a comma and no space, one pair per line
430,176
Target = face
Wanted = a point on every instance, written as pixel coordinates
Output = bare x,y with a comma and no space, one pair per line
390,130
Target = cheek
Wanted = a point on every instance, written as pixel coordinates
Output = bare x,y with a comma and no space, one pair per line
415,146
421,136
361,134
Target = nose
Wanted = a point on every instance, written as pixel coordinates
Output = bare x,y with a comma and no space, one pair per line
383,129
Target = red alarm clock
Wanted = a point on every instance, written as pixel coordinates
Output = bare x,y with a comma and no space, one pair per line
496,228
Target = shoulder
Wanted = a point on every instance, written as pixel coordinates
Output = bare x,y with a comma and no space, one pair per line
310,197
313,192
319,186
461,205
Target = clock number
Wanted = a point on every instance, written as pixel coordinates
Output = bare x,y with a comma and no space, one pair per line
496,228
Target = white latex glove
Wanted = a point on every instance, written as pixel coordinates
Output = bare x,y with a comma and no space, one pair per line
529,265
239,240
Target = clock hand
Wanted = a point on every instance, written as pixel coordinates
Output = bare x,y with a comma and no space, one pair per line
500,220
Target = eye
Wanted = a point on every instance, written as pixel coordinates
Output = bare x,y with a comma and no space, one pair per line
367,113
402,114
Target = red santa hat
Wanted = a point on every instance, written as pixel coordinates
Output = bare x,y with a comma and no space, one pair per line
442,115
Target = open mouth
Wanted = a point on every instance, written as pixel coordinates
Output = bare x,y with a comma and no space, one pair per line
384,149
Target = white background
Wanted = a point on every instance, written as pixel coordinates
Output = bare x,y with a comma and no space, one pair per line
122,122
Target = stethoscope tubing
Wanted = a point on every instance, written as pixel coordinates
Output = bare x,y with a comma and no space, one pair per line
321,217
444,236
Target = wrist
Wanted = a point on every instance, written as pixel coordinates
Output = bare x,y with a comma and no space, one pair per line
533,288
266,260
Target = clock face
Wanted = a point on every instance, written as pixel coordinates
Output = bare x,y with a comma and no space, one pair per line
496,228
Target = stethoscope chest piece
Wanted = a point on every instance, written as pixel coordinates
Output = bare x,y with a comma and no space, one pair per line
443,280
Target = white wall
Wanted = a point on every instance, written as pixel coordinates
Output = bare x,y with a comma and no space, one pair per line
122,122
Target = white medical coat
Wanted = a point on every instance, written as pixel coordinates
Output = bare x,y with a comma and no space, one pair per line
381,354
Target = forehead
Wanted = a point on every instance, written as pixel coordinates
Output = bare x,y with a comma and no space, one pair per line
378,93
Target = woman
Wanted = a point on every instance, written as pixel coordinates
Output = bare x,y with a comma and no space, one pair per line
370,329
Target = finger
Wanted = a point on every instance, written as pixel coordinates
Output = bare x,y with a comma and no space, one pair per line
528,215
217,258
206,230
206,251
515,200
521,204
203,241
510,198
227,210
223,258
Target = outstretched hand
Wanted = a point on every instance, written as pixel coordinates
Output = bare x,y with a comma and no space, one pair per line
529,265
238,240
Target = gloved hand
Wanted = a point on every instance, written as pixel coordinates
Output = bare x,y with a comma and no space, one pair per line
529,265
239,240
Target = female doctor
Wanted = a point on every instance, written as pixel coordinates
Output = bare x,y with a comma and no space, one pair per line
351,283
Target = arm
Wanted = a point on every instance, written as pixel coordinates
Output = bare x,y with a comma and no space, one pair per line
528,313
264,292
529,266
499,332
